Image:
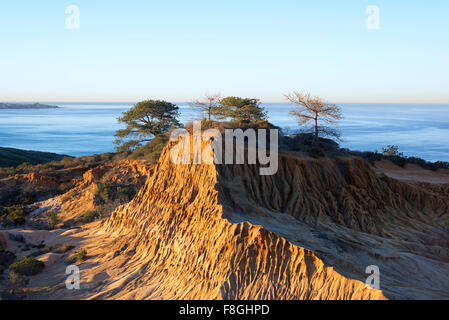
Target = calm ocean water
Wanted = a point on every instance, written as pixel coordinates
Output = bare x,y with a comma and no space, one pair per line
85,129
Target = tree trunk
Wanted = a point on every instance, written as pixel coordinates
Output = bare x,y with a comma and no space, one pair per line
316,126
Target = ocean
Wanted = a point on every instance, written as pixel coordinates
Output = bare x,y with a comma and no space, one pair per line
78,129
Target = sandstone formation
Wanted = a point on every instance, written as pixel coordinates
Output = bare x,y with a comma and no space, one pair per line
225,232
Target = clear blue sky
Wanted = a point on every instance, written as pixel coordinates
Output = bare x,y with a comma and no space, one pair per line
179,50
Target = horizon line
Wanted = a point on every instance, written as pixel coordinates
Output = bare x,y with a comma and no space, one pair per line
186,102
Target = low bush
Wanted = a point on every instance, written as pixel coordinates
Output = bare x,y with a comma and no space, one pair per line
392,151
28,266
65,187
92,215
20,197
306,142
81,255
152,150
105,191
17,214
125,194
52,219
399,160
109,193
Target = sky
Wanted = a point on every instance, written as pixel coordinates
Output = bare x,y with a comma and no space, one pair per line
179,50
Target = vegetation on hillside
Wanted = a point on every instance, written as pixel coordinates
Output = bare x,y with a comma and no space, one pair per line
152,150
10,157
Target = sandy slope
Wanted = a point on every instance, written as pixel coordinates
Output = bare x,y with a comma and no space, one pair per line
413,173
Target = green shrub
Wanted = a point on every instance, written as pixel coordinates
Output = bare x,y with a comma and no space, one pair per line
392,151
16,214
52,219
28,266
65,187
81,255
125,194
24,168
152,150
68,162
105,191
91,215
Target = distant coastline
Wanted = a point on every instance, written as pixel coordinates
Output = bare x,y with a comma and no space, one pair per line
25,106
84,129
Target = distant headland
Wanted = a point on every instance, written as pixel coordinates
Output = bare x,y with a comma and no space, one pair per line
26,106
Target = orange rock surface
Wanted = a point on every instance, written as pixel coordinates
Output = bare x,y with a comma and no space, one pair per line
225,232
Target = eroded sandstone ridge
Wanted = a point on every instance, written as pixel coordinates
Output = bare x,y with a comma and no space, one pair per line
225,232
179,224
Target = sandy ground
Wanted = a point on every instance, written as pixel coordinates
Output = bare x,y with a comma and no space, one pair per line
412,173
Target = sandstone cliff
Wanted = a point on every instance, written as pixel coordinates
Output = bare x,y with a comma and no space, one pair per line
225,232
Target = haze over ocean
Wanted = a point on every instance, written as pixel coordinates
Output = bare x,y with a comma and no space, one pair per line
77,129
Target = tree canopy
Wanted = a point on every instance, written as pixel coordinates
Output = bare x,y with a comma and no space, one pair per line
208,104
321,114
240,109
144,121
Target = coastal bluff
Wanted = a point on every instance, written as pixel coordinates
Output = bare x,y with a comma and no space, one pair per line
313,230
26,106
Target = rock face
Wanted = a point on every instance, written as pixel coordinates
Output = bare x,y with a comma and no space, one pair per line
181,223
225,232
351,218
71,205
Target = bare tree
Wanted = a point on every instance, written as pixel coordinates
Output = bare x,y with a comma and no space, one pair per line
208,104
315,110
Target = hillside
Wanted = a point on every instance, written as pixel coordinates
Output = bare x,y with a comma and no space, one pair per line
10,157
225,232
